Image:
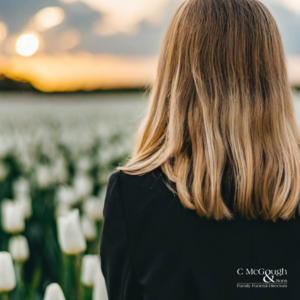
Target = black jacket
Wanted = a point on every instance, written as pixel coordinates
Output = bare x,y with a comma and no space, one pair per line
153,248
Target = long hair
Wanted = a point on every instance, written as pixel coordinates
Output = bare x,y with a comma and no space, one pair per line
222,98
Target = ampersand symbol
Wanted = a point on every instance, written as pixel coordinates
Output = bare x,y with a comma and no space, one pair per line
267,276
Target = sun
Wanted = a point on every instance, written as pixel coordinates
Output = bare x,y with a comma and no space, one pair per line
27,44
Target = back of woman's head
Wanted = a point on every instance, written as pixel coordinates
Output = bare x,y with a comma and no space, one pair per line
222,99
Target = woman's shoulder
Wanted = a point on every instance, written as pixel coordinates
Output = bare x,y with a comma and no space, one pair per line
141,192
134,183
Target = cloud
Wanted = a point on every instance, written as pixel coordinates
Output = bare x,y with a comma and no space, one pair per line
292,5
48,17
124,16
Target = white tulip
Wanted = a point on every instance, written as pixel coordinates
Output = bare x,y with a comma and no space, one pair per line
54,292
99,291
44,176
83,186
27,161
18,248
21,186
7,273
4,147
89,228
84,164
26,204
12,217
62,209
90,263
93,207
70,234
66,195
105,156
60,171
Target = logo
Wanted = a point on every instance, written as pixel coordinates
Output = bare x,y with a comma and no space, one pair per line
262,278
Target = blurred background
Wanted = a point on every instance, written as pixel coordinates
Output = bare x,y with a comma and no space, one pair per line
73,81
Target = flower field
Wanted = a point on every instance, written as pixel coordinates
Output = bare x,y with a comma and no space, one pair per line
56,156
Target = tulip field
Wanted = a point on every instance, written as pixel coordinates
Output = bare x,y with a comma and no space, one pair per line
56,155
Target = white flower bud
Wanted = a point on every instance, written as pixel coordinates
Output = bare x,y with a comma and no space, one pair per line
105,156
7,273
84,164
70,234
12,217
93,207
99,291
66,195
21,186
88,226
5,147
83,186
62,209
90,263
54,292
60,171
24,201
26,160
44,176
18,248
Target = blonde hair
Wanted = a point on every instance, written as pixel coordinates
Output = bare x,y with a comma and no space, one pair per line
222,98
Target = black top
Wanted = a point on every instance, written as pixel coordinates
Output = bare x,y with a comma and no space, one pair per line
155,249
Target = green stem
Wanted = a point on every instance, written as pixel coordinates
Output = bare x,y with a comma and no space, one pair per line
72,276
86,293
20,283
18,268
35,282
4,296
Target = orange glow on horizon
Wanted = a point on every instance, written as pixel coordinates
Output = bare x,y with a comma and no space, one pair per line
80,71
84,71
3,31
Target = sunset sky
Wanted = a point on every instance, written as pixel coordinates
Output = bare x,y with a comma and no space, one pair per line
67,45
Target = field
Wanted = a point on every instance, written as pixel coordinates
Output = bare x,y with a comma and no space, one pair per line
56,155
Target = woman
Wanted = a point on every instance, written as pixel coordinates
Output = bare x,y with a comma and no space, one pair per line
208,206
